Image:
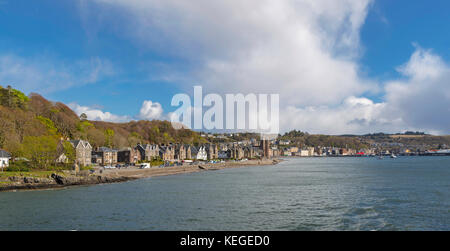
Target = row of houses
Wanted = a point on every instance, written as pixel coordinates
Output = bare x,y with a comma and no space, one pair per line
324,151
86,155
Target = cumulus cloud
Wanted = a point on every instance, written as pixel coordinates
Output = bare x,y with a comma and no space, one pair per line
422,100
305,50
150,110
97,114
419,101
47,75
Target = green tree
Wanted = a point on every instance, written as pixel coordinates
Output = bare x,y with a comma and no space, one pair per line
40,150
69,151
109,136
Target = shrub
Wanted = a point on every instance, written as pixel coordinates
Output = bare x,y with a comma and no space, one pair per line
18,166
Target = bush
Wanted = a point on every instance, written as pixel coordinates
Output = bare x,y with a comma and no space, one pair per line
18,166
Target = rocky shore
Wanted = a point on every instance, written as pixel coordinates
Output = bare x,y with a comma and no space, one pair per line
69,178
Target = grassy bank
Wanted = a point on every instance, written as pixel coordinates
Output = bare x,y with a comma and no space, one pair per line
34,174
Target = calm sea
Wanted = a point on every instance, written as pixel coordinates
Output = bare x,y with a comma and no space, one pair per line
408,193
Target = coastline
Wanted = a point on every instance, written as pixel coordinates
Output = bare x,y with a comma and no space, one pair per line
68,178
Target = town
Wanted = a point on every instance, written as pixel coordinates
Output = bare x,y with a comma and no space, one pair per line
172,154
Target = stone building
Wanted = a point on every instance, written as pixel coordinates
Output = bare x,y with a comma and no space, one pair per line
129,155
148,152
82,150
107,155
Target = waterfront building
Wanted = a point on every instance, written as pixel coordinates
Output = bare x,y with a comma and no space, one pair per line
180,152
199,153
107,155
148,152
129,155
167,153
82,149
4,159
212,151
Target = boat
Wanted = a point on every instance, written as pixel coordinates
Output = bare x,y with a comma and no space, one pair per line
393,156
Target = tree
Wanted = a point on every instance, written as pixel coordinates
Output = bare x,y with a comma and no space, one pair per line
69,151
40,150
109,136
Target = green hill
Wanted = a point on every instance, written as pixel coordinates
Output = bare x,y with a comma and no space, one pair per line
34,119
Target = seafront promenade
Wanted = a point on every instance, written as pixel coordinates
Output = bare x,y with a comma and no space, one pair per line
30,180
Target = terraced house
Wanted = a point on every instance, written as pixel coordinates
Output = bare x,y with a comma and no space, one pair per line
108,156
148,152
180,152
212,151
129,155
167,153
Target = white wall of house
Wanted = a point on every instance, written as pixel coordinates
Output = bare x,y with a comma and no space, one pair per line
4,162
202,155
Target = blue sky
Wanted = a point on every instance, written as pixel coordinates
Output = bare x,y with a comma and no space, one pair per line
112,55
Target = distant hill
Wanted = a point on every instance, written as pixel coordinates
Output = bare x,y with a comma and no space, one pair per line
388,141
24,116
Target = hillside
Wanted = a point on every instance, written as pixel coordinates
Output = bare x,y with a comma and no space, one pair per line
25,120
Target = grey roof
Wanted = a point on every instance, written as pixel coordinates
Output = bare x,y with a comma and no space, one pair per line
75,143
4,154
106,149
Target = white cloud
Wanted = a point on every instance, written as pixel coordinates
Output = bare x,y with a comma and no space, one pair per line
422,100
303,50
97,114
306,50
150,110
45,74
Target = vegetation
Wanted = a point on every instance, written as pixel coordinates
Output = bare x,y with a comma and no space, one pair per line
299,138
33,127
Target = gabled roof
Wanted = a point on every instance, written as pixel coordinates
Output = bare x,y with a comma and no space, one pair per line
4,154
75,143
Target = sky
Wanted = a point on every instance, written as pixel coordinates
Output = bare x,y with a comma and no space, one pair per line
339,66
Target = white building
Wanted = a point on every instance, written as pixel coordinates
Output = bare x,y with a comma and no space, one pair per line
304,153
202,154
4,159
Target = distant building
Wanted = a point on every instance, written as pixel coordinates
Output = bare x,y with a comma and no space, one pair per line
237,152
96,159
4,159
167,153
83,152
200,153
180,152
148,152
108,156
188,149
284,142
129,155
212,151
265,145
224,154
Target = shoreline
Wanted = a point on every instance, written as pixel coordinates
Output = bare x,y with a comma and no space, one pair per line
83,178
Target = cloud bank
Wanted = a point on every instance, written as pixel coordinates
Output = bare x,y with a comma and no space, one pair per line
305,50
